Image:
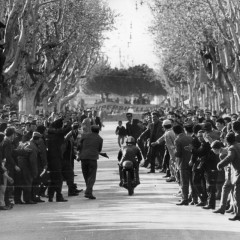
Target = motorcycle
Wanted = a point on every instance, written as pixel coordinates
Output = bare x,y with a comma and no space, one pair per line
129,176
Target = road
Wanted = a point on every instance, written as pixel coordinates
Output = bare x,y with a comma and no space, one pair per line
150,214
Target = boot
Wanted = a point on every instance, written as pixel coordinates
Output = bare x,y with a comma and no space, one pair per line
72,191
60,198
219,210
76,189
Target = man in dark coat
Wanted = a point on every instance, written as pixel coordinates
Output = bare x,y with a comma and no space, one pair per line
153,132
133,126
90,147
56,134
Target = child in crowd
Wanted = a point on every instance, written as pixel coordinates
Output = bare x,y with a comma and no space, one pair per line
121,132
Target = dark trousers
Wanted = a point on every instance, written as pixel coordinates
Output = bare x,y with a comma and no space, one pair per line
199,184
211,181
9,192
18,186
68,173
36,188
56,179
184,182
89,170
154,153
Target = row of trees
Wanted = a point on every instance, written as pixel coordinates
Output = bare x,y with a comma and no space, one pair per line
48,47
199,48
137,80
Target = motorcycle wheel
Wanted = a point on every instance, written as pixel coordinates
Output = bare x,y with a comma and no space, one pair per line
129,183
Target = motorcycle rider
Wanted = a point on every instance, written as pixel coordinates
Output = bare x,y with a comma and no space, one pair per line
132,153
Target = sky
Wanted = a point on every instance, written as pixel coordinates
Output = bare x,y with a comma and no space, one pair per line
131,43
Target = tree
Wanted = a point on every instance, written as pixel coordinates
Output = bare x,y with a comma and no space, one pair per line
53,45
203,34
137,80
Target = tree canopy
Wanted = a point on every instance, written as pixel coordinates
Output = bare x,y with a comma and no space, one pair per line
49,46
136,80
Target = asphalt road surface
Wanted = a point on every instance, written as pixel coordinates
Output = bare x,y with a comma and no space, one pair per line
150,214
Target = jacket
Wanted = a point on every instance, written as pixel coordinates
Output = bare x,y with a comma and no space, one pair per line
184,156
150,132
90,146
233,157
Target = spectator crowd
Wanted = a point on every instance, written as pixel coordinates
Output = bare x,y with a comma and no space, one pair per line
198,149
37,155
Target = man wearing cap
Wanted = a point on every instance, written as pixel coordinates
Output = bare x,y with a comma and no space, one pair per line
169,138
183,158
90,147
153,132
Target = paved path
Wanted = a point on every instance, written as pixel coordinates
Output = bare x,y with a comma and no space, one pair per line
150,214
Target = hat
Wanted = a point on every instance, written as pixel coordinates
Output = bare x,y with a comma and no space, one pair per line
128,114
207,126
208,112
12,113
75,125
217,144
57,123
15,121
41,129
155,113
95,128
188,123
167,122
34,122
3,126
189,112
36,134
10,131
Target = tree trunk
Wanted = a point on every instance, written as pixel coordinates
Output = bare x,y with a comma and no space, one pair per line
190,94
206,97
232,103
27,102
